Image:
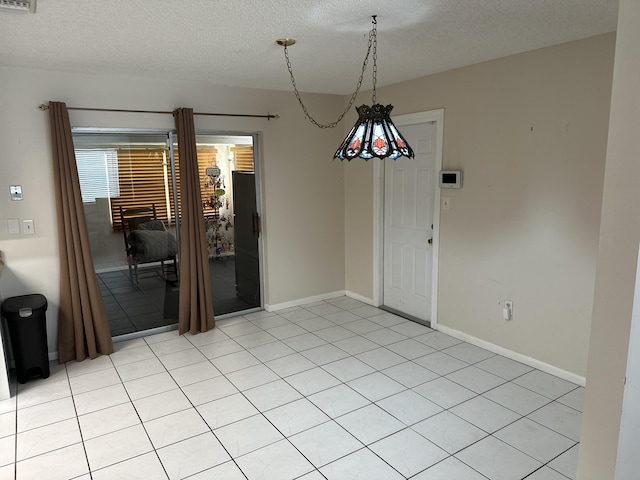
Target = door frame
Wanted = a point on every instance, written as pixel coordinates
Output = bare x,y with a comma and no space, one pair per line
436,116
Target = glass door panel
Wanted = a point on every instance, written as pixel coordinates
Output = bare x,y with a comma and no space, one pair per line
228,188
127,190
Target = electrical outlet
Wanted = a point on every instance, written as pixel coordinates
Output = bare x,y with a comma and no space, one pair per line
507,311
508,304
28,228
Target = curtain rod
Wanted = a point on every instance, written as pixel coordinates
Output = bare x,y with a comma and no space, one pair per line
44,107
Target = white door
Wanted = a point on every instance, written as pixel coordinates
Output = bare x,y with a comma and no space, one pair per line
409,194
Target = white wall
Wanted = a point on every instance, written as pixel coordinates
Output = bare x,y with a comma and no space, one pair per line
617,260
529,131
303,194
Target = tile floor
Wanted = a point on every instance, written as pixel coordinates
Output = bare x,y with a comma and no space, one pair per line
335,390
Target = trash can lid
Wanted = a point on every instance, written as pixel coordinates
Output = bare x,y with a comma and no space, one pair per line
15,304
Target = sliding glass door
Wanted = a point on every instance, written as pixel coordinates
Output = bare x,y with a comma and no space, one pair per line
131,194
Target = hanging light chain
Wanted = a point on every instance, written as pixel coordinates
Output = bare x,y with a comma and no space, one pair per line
372,42
374,34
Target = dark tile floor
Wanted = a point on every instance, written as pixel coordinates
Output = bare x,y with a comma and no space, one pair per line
154,302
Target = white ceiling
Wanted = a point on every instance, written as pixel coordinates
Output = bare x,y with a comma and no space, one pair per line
232,42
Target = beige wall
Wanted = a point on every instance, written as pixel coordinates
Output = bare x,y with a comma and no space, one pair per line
303,190
616,271
529,132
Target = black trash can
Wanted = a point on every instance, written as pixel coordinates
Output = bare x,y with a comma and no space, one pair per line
28,330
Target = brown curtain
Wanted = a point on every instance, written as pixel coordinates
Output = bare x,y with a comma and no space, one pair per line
195,313
83,328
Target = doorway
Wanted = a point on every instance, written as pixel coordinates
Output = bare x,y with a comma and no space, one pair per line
131,195
409,216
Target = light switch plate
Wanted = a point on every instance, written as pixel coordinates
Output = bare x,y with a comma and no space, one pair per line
13,226
28,227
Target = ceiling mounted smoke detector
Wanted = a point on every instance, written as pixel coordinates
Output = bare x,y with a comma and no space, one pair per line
25,6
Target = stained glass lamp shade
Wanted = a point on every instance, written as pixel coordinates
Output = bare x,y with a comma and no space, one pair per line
374,135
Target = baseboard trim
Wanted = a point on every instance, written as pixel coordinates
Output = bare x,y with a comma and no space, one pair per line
363,299
518,357
303,301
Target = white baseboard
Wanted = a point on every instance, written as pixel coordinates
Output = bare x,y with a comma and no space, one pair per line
356,296
304,301
518,357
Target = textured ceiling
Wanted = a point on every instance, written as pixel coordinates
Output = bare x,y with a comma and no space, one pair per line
233,42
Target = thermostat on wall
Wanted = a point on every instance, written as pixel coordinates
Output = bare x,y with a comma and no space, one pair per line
451,179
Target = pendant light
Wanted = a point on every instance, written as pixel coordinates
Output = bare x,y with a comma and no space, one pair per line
374,134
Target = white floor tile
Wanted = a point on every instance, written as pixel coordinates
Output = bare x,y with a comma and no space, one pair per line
7,424
324,309
574,399
369,424
410,329
171,346
290,365
143,368
95,400
7,450
546,473
441,363
324,354
8,473
559,418
278,461
381,358
194,373
449,469
94,381
192,456
325,443
341,318
362,327
497,460
437,340
45,439
408,452
239,329
234,362
182,358
144,467
151,385
271,351
410,374
162,404
348,369
45,414
226,471
162,337
504,367
40,391
304,342
485,414
297,315
449,432
545,384
259,315
409,407
444,392
338,400
205,338
366,311
360,465
535,440
255,339
312,381
376,386
296,417
468,353
313,324
131,355
410,349
384,336
88,365
272,395
315,475
175,427
252,377
248,435
346,303
475,379
117,446
335,333
287,330
209,390
62,464
220,349
226,410
267,323
108,420
516,398
567,463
